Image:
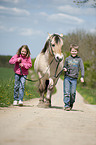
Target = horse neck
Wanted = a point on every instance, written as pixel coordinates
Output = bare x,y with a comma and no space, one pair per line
49,56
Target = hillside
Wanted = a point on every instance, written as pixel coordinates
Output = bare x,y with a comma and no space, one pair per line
4,61
87,51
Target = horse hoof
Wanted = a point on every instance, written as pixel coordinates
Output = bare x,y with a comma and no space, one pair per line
47,103
40,104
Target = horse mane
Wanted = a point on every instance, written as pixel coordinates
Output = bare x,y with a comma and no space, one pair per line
46,46
57,39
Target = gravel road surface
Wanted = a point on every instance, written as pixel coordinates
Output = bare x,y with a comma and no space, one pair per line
30,125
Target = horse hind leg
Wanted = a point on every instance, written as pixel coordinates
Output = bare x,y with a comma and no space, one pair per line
47,102
41,90
48,99
48,95
44,87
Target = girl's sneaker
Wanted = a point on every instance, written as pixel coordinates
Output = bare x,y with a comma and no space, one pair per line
20,103
15,103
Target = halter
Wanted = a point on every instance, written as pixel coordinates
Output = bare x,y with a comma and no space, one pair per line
56,76
51,49
52,54
39,78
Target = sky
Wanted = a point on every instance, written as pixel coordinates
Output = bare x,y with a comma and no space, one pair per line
28,22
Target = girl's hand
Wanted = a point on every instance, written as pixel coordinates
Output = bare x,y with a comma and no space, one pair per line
82,80
19,59
64,69
20,64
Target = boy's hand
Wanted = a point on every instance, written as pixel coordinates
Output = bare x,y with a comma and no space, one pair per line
64,69
82,80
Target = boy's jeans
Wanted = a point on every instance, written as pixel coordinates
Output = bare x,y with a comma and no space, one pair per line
69,91
19,87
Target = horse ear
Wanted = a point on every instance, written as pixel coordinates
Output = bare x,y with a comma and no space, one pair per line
49,35
61,34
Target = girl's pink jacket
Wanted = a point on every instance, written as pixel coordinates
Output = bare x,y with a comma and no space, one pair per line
25,61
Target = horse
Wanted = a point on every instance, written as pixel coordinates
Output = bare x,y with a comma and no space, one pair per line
47,65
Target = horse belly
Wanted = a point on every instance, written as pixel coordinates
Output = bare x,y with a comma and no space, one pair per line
40,64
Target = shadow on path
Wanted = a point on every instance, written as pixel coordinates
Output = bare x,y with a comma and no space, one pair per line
25,106
77,110
58,107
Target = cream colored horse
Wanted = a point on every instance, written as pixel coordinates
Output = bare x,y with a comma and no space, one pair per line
46,67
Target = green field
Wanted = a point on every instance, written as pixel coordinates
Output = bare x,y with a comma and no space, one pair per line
7,87
6,74
31,89
88,94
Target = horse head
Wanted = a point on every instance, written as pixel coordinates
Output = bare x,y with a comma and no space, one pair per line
56,43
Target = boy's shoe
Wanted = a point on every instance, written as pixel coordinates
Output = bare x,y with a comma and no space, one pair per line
67,108
15,103
20,103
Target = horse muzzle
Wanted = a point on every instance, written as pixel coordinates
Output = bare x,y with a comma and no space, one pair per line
58,57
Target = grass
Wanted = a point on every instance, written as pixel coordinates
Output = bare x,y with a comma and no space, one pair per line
7,88
31,88
6,73
88,94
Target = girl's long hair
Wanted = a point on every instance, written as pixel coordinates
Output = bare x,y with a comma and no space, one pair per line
25,47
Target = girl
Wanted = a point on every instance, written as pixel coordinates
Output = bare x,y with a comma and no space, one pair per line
71,67
22,61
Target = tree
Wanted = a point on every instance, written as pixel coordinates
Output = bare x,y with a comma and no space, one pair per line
87,3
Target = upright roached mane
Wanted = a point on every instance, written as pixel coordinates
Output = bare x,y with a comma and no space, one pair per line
45,65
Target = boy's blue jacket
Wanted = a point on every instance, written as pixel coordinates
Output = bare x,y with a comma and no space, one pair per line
73,65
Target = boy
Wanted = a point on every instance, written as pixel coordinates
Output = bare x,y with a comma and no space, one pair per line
71,67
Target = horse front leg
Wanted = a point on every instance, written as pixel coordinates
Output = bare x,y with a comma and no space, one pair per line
49,93
41,90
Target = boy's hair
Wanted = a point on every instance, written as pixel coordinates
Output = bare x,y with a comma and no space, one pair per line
25,47
75,46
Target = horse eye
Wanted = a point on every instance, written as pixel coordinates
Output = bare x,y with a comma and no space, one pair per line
53,45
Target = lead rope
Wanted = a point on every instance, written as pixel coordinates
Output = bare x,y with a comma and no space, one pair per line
39,78
56,76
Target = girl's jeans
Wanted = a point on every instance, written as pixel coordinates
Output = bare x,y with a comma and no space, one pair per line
19,87
69,91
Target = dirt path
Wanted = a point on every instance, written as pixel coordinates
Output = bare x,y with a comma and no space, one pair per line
30,125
